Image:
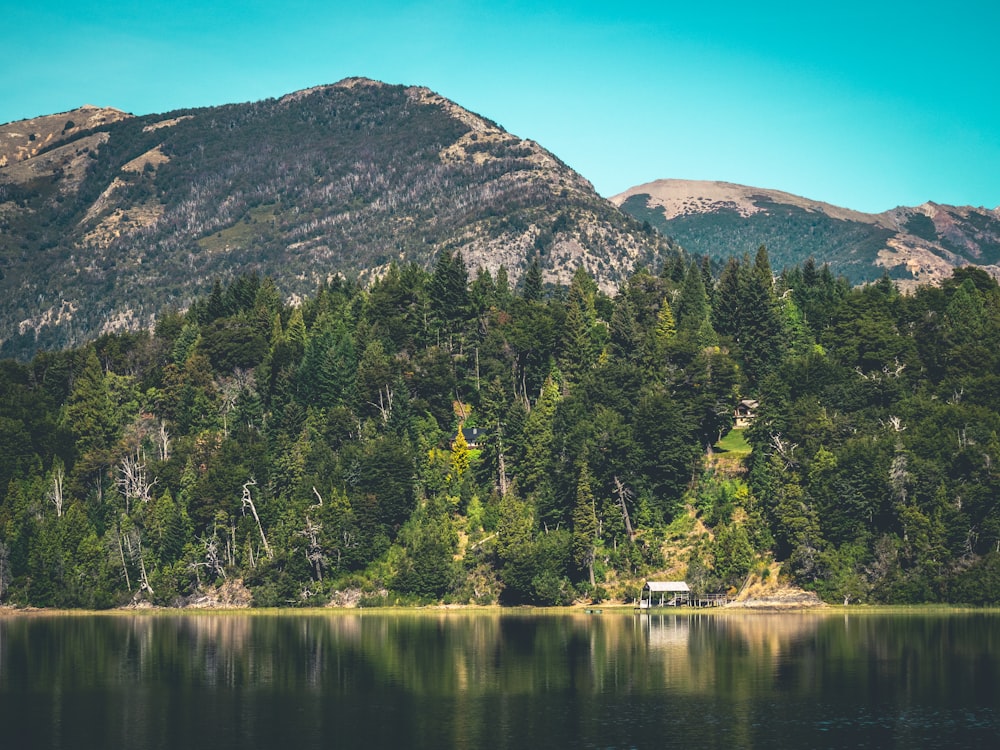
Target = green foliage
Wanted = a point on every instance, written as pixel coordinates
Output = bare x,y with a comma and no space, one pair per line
145,467
734,442
791,234
585,528
429,541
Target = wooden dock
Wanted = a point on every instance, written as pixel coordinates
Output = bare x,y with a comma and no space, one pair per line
660,594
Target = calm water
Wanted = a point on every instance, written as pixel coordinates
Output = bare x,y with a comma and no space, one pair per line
500,681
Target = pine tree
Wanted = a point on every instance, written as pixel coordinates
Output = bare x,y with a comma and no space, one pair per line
216,307
448,292
532,288
503,293
692,308
483,293
626,334
585,524
460,458
185,343
295,333
578,348
430,541
515,547
539,437
666,327
88,413
726,315
762,333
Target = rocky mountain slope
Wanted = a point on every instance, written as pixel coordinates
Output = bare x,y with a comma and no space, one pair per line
914,245
106,219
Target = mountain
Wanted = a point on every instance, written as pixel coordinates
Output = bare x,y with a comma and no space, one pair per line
914,245
106,219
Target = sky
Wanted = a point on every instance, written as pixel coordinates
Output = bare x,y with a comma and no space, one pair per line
866,105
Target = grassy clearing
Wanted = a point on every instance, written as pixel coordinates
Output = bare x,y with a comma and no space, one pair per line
734,442
258,221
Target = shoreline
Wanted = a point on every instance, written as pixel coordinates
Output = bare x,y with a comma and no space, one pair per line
763,609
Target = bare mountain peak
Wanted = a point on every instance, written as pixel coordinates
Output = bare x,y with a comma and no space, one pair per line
475,122
684,197
24,139
351,82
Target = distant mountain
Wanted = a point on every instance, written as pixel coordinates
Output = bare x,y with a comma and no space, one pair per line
914,245
106,218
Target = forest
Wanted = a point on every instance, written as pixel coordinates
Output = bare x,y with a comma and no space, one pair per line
439,436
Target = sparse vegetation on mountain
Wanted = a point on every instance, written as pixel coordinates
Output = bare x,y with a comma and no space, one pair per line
124,217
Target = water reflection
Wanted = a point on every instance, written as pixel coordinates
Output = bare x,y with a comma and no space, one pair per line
499,680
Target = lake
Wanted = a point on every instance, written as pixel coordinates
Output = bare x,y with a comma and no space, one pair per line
370,679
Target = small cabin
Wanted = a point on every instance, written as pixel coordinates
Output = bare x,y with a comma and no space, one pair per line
664,594
745,412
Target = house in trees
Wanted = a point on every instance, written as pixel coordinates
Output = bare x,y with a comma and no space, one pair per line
474,437
745,412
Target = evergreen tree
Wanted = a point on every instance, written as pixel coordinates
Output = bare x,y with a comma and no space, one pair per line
429,540
666,328
89,409
531,290
726,314
503,292
448,292
762,332
483,293
535,472
692,308
626,335
515,548
579,349
216,307
585,524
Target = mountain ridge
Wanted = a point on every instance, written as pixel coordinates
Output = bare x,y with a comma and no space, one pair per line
919,244
116,218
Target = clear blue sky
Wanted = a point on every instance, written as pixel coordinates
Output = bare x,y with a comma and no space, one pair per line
865,105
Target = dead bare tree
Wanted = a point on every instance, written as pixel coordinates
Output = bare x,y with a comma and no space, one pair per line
143,578
130,550
213,560
163,441
893,423
624,494
248,503
121,552
785,450
384,404
229,392
55,492
314,551
132,481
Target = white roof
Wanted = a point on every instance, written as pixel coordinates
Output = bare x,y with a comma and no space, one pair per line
667,586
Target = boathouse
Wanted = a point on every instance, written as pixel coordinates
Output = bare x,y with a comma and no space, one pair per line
664,594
